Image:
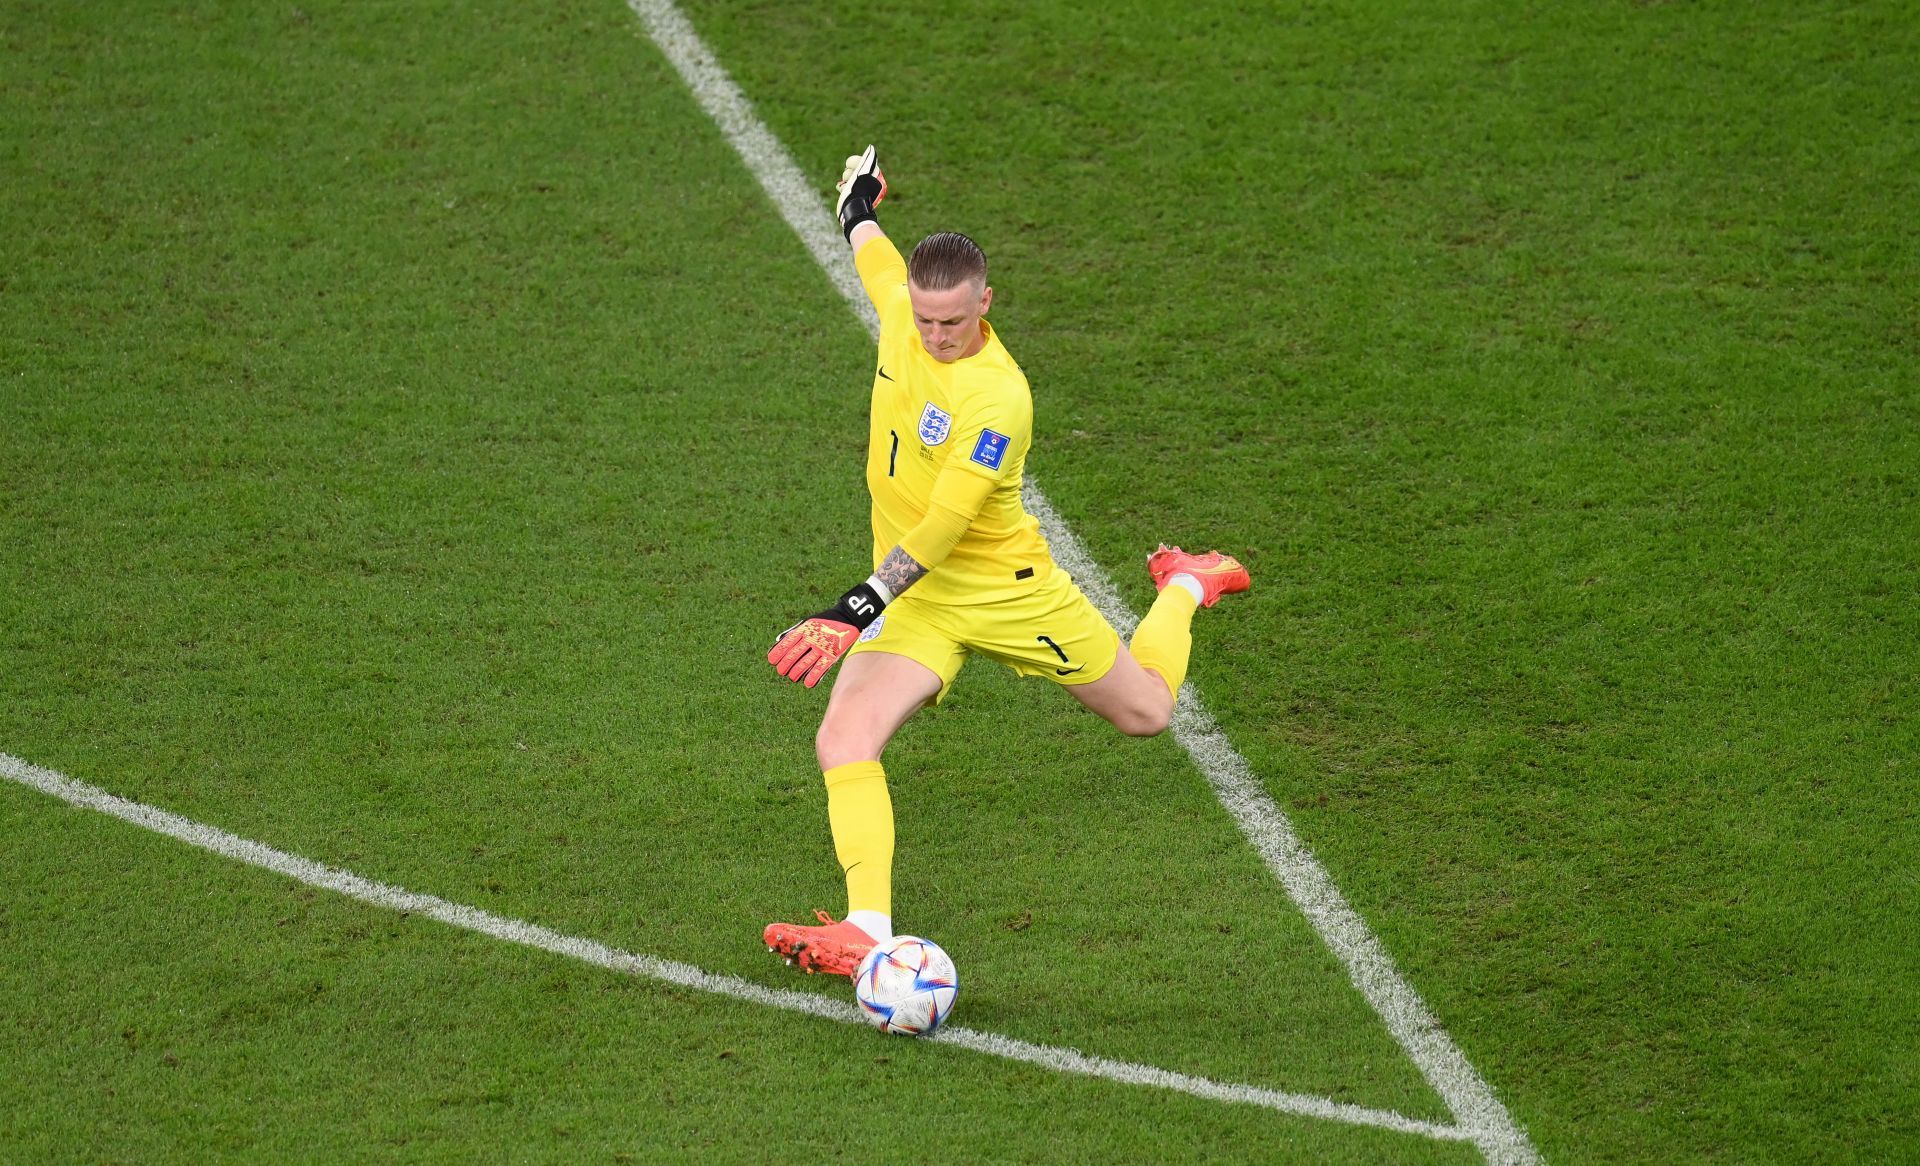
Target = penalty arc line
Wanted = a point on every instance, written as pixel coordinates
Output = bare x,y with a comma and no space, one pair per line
1467,1095
353,886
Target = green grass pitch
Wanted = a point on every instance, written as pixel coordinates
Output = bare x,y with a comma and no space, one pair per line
415,422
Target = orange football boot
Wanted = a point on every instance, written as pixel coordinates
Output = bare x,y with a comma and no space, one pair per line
1218,574
835,947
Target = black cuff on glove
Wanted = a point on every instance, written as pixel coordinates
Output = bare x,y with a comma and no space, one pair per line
857,209
859,607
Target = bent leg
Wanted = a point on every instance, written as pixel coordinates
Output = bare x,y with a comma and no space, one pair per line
1138,695
1133,698
1164,640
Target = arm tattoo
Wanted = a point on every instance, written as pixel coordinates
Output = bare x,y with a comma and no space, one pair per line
898,571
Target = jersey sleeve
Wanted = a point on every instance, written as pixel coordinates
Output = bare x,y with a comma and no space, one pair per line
884,274
992,427
956,501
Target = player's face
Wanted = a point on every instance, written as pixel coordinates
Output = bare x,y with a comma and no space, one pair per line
949,321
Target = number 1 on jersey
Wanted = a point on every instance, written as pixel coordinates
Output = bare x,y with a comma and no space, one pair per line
894,452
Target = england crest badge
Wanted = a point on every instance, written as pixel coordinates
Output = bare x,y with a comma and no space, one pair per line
935,424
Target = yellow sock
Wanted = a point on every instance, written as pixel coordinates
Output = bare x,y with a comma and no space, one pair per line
1164,639
861,815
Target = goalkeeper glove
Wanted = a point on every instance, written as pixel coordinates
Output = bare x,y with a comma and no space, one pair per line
861,188
805,651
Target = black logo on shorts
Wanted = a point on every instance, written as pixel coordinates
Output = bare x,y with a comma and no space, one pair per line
1058,651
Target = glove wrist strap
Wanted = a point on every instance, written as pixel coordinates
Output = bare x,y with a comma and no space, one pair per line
857,209
862,605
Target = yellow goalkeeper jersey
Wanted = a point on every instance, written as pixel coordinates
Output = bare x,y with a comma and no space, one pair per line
975,414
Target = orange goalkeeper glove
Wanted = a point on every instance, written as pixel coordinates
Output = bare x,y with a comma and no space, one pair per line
805,651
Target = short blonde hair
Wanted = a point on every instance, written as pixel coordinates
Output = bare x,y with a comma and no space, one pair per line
947,260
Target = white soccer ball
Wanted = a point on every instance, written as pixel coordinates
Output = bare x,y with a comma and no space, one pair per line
906,985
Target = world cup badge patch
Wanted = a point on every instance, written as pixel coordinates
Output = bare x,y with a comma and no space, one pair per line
991,449
935,424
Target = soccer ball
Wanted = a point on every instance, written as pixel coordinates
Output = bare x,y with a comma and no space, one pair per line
906,985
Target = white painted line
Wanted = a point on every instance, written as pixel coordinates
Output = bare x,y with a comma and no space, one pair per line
1308,884
1471,1100
400,899
793,196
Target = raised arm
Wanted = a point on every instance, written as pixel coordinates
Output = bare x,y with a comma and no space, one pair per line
861,188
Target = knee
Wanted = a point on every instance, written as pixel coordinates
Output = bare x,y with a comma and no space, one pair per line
1144,722
838,744
827,744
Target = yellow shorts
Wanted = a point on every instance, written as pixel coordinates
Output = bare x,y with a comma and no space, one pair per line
1052,631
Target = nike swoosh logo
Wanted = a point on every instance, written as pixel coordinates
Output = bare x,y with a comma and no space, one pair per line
883,373
1067,671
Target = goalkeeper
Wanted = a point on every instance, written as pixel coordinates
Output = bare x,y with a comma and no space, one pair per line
959,565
